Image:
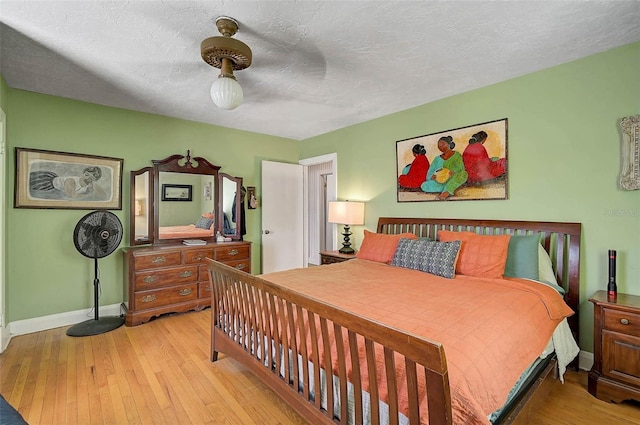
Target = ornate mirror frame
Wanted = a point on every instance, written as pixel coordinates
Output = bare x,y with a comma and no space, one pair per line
630,167
145,197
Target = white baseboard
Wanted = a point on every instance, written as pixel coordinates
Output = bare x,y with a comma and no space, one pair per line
585,360
37,324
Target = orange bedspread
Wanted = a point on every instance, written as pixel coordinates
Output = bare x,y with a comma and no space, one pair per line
491,329
189,231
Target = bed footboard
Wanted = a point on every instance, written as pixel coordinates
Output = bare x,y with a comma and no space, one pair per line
281,336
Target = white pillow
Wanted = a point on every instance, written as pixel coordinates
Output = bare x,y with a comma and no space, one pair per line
545,269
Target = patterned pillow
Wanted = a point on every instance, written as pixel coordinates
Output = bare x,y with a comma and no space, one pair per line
204,223
433,257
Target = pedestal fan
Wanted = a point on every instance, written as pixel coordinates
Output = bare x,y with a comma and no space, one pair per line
97,235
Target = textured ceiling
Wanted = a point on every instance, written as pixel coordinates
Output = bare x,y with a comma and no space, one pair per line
318,66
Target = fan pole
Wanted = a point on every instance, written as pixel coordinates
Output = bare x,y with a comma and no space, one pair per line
96,286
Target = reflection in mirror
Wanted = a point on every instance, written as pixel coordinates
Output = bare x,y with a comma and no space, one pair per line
191,219
232,195
228,206
141,206
141,221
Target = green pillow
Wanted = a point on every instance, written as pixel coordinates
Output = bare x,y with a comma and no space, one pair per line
522,257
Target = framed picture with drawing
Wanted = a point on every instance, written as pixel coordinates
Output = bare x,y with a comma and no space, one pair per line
177,192
64,180
467,163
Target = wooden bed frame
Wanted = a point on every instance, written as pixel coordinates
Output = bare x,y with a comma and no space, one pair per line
247,310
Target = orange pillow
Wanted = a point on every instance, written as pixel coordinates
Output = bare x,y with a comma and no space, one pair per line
480,255
208,215
380,246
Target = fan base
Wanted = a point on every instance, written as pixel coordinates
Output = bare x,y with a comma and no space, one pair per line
96,327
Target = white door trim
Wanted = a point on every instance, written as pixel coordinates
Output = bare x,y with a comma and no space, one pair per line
332,192
5,333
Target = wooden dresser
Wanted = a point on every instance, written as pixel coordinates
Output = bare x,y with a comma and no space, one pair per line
174,278
615,375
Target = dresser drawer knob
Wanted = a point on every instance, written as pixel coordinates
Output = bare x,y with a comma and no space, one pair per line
240,266
185,292
148,298
233,252
624,321
150,279
199,258
157,260
187,273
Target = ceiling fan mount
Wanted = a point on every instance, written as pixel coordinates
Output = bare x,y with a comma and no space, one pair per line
215,49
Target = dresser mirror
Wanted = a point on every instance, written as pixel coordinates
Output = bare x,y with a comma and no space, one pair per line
180,198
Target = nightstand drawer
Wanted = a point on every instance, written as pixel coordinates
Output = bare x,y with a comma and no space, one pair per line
621,357
621,321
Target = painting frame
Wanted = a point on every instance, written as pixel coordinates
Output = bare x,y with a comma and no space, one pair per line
467,163
176,192
65,180
630,162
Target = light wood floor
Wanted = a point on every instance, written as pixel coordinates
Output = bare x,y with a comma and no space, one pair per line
160,373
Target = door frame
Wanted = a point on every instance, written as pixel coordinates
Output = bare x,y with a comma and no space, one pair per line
5,333
333,158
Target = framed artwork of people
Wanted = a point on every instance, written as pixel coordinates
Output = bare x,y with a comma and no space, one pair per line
462,164
64,180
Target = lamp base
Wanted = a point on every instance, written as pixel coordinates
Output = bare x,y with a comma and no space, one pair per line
347,250
346,243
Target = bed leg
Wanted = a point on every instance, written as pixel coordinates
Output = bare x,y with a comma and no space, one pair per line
214,356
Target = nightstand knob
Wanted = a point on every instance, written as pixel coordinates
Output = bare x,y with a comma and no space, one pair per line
624,321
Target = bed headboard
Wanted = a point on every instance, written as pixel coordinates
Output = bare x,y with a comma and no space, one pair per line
561,241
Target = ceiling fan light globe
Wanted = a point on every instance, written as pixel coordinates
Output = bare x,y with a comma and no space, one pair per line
226,93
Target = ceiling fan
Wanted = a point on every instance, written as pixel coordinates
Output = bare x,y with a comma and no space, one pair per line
227,54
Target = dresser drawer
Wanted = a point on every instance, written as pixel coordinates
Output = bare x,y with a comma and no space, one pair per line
155,278
226,254
154,260
204,290
197,256
240,265
166,296
621,321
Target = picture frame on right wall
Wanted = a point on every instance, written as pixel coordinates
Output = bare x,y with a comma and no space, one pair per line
461,164
630,167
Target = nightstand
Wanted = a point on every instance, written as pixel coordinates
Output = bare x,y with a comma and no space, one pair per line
615,375
330,257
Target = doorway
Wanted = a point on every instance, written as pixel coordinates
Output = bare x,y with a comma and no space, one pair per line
283,247
4,331
320,188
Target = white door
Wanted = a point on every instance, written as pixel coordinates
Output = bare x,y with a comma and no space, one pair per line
282,216
4,333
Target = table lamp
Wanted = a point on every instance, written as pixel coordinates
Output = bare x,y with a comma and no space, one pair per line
347,213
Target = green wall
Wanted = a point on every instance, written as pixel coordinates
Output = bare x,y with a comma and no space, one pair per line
45,273
563,160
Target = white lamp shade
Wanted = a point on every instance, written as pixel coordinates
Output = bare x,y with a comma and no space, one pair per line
226,93
346,212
